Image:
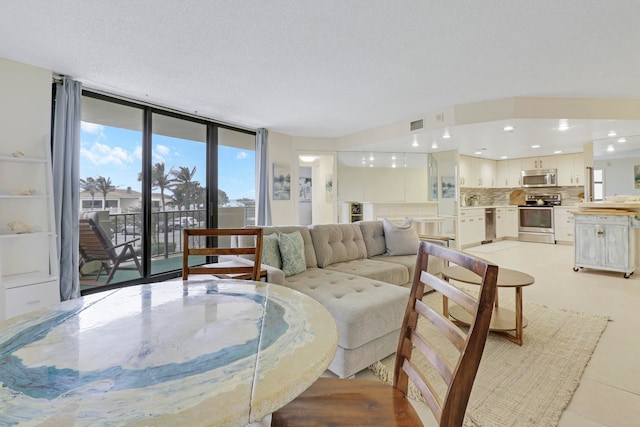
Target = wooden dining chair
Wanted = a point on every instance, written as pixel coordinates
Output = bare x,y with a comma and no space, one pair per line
213,242
350,402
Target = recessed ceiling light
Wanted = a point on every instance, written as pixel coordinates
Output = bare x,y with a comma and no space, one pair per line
508,128
563,125
557,152
371,159
434,145
612,133
504,157
622,140
393,157
535,146
611,148
415,144
478,152
307,159
446,134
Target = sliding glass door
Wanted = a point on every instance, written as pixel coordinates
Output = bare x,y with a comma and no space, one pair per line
147,174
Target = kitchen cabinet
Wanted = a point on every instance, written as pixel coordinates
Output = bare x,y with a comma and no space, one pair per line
351,183
470,227
477,173
383,185
467,172
564,224
509,173
28,251
545,162
487,173
501,222
571,171
511,226
507,222
605,242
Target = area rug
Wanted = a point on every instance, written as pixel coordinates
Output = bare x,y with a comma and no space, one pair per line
528,385
495,246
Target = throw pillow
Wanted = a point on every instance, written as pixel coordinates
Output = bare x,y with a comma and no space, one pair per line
292,252
400,239
271,251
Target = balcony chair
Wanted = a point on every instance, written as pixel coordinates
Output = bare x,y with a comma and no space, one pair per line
96,245
227,269
336,402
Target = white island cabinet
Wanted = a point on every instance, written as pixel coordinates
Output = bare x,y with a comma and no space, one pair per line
471,230
605,241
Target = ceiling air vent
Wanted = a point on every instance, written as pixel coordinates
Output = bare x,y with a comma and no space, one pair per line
415,125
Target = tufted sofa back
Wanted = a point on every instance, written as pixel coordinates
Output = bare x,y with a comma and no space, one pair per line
337,243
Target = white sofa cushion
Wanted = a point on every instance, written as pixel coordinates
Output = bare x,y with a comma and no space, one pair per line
400,239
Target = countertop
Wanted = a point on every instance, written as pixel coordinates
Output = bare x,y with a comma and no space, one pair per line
609,205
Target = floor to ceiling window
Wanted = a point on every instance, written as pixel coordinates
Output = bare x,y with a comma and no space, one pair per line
147,173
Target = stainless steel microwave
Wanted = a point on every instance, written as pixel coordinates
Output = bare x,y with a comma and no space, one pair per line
540,178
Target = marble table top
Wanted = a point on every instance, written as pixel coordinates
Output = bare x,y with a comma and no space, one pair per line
198,353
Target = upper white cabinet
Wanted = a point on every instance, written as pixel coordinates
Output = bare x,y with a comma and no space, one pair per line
477,173
545,162
382,185
509,173
571,169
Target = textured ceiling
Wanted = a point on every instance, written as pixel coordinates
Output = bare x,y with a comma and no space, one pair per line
330,68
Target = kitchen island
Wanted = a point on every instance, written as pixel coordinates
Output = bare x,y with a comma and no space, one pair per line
606,236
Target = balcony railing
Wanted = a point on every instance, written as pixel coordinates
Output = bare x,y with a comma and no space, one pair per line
166,226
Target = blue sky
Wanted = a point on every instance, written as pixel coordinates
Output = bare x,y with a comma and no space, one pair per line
116,153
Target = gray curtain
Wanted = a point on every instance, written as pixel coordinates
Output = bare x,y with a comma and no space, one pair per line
263,208
66,182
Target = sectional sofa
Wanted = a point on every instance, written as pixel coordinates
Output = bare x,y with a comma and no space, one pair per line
358,272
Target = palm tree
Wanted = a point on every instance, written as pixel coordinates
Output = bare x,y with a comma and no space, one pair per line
89,185
184,186
159,179
104,186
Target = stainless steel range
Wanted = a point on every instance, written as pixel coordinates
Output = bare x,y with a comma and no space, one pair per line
536,218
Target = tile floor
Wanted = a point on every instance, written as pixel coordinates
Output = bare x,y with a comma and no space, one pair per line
609,391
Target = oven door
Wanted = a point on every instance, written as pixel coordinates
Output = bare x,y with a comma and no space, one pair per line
538,219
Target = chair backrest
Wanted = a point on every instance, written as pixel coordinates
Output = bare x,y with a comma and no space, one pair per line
448,407
208,246
94,243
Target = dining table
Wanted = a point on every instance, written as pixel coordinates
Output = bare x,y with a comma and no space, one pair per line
193,353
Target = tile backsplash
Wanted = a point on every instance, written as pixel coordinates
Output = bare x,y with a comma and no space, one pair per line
500,196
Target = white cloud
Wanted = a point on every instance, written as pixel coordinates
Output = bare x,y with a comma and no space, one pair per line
102,154
163,149
242,155
92,128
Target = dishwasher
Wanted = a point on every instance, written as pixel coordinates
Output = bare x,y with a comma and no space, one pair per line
489,225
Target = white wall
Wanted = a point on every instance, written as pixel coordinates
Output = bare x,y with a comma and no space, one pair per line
283,212
618,175
24,88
